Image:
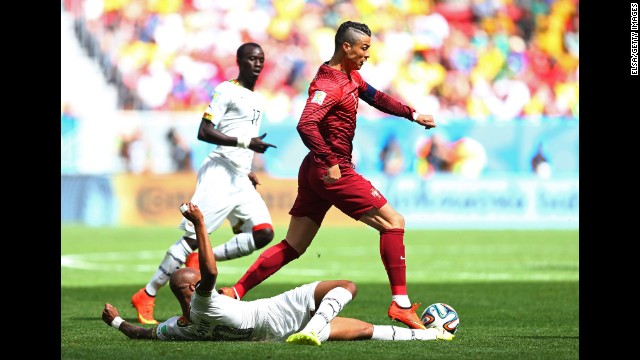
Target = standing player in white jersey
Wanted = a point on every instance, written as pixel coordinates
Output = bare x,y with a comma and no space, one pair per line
305,315
225,188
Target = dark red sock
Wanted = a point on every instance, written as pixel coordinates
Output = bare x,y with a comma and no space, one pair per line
270,261
392,254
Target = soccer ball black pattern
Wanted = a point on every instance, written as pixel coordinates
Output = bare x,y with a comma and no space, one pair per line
441,315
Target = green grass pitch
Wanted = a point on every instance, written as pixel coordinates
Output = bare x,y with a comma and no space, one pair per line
516,292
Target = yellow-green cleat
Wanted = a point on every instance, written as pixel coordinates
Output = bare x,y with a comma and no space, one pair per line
443,334
304,338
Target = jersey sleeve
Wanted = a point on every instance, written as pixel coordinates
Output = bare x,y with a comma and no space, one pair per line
382,101
322,97
217,106
173,329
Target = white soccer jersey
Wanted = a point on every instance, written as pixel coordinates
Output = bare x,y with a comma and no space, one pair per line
237,112
221,318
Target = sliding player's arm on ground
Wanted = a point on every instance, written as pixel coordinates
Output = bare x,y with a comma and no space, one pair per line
132,331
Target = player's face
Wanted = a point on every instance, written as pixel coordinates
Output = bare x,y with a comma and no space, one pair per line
358,54
251,62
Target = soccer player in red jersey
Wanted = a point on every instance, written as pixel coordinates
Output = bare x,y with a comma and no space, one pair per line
327,176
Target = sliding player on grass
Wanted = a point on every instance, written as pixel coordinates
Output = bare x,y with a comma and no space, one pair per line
209,316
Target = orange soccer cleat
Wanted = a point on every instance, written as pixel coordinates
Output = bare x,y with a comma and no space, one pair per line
144,303
192,261
407,316
229,291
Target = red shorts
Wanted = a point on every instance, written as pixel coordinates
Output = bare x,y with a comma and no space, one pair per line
352,194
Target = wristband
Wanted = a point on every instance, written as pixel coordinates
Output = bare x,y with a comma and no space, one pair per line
117,322
184,208
415,116
244,141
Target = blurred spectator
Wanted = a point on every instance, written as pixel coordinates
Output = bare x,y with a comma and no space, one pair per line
391,158
168,55
464,157
470,158
134,152
540,164
434,155
180,151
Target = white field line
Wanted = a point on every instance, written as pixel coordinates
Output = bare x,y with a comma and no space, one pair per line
113,262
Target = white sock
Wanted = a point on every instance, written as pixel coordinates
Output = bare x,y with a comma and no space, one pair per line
401,300
238,246
332,303
390,332
173,260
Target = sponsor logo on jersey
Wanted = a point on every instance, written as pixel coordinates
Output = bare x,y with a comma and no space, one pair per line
318,97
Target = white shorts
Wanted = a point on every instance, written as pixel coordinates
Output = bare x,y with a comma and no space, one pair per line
289,312
222,193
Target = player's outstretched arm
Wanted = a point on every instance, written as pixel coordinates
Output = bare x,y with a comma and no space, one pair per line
111,317
389,105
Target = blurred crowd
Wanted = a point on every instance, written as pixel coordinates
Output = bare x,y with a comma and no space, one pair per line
496,60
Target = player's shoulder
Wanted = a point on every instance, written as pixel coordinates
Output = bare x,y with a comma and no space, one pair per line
227,85
326,80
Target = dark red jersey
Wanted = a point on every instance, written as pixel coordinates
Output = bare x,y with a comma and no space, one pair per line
328,122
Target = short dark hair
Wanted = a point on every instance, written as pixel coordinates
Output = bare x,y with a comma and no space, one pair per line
350,31
244,46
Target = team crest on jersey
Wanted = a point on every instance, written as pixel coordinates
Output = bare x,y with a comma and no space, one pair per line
318,97
375,193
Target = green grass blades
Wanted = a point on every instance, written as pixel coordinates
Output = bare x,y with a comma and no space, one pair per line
516,292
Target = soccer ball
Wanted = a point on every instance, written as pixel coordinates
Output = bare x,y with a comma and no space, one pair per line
441,315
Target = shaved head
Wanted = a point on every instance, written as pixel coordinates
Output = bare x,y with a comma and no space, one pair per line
350,32
182,278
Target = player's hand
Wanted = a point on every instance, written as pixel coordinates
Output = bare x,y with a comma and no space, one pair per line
254,179
426,121
333,174
192,213
258,145
109,313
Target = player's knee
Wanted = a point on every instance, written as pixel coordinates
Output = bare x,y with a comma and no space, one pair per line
365,330
351,287
262,237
